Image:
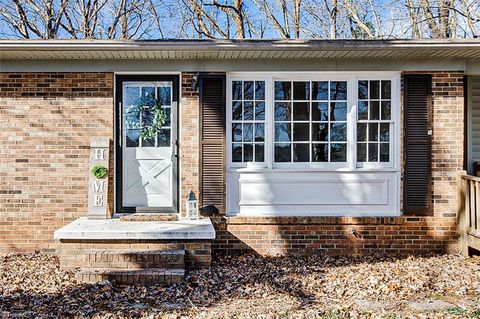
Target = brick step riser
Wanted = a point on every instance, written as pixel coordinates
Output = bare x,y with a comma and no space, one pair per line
134,261
131,277
133,265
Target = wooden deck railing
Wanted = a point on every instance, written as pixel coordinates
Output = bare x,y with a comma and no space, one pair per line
468,189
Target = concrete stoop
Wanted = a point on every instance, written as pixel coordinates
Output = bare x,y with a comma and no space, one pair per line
133,266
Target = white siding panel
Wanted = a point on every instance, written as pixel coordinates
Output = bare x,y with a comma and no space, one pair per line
314,193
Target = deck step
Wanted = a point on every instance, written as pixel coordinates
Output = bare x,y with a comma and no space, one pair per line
151,276
135,259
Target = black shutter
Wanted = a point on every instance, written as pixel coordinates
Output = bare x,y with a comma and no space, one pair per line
212,148
417,144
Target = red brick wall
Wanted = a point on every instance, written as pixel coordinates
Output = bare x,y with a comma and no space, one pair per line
447,140
335,235
47,121
189,140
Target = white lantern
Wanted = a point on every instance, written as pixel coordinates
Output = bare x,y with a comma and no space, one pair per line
192,206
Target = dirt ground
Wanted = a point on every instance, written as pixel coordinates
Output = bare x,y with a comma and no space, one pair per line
447,286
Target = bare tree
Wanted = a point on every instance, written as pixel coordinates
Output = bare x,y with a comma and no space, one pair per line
81,18
234,11
39,18
286,13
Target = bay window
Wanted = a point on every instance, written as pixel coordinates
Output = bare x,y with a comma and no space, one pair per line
313,143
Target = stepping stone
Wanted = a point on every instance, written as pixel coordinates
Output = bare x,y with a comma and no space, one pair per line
430,305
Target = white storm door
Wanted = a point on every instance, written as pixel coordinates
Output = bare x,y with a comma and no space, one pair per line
149,176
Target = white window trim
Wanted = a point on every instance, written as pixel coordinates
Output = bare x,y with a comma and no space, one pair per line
352,79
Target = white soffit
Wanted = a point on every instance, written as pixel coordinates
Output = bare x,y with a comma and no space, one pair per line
239,49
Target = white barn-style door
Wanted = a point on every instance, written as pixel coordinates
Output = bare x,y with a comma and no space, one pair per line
148,162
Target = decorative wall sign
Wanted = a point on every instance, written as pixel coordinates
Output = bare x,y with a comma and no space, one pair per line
98,178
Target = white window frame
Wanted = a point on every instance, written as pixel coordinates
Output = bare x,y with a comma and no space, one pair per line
352,79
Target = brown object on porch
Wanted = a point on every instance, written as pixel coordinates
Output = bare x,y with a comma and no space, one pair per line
151,217
418,145
468,189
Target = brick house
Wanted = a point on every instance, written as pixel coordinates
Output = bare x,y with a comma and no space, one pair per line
291,146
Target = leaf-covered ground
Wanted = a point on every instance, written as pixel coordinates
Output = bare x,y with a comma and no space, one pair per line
33,286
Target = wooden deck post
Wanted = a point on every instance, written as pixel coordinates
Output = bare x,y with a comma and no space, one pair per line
462,223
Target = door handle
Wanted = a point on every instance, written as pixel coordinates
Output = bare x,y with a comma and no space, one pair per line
175,148
430,132
120,124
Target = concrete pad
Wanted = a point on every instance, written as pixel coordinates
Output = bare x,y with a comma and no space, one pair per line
114,229
430,305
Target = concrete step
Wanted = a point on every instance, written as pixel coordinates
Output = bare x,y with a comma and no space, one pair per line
151,276
134,259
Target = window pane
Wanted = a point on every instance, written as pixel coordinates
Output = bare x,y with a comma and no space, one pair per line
320,90
282,152
361,152
320,132
248,132
386,89
237,111
384,132
163,138
164,95
247,111
237,132
132,138
259,132
301,111
373,132
282,132
338,90
374,89
301,90
168,116
131,96
338,152
338,132
148,142
373,152
319,111
338,111
148,92
259,111
384,152
283,90
132,120
248,90
320,152
283,111
260,90
301,131
362,110
248,152
236,152
259,152
386,110
362,90
374,110
237,90
147,117
301,152
361,132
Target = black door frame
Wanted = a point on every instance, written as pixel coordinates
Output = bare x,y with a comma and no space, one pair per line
118,176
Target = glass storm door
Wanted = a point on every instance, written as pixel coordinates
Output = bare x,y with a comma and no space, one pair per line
148,156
